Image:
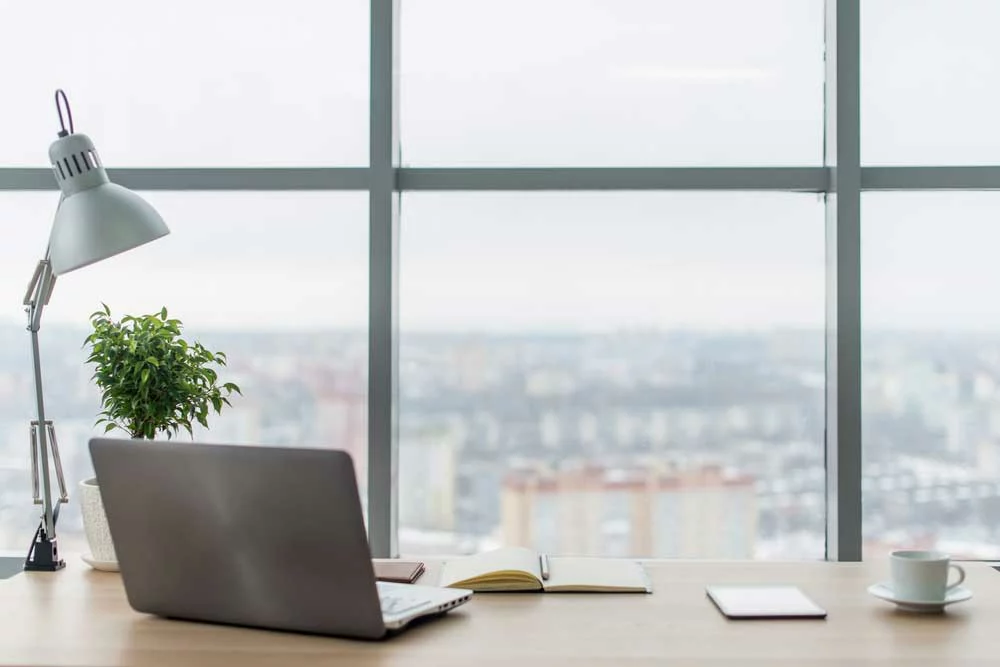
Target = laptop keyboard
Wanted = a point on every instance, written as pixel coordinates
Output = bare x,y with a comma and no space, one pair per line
395,601
394,605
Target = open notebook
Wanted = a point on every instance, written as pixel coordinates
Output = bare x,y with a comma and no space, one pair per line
517,569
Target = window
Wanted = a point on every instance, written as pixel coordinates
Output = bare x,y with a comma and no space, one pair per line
928,82
594,83
931,373
586,365
190,83
613,373
276,280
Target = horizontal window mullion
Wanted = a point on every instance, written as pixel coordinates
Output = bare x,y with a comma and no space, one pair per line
812,179
809,179
198,178
802,179
930,178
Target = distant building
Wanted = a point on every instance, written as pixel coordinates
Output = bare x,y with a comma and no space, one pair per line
703,512
548,382
427,480
339,421
240,423
550,430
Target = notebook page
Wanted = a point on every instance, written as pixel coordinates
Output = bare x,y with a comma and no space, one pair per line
596,574
499,560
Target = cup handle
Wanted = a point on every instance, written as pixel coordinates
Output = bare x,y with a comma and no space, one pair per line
961,576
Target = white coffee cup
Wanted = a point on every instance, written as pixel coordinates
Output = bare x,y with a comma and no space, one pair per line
922,576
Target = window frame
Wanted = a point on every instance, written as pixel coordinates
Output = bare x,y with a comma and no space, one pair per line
841,181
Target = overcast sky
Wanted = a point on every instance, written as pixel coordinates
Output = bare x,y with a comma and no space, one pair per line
522,82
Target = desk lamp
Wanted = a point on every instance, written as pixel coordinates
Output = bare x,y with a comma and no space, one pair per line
95,219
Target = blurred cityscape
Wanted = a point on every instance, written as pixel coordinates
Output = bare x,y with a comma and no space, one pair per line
670,444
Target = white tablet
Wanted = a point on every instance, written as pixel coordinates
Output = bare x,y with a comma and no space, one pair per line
763,602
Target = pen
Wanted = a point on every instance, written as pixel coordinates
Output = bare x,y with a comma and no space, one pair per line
543,561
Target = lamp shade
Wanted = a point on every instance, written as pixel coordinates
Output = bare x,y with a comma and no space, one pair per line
98,223
96,218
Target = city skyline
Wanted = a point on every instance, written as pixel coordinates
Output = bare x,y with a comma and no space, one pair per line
477,411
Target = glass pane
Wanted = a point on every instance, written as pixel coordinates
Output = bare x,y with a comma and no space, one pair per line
928,82
189,83
931,371
613,373
596,82
276,280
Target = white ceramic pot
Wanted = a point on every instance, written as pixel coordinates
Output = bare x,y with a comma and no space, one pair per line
95,523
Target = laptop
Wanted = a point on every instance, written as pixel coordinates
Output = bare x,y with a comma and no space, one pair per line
268,537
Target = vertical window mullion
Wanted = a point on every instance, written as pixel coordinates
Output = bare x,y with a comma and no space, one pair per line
383,270
843,279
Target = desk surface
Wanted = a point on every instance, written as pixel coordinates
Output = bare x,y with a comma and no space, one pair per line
81,617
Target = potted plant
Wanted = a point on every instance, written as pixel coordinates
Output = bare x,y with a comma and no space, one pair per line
153,382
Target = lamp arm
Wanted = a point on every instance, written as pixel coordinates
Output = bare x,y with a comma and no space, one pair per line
36,298
39,292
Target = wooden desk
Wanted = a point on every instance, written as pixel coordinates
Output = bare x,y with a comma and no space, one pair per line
81,617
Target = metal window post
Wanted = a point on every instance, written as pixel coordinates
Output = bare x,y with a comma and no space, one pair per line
383,286
843,271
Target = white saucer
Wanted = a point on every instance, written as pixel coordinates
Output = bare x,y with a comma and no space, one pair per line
884,592
102,565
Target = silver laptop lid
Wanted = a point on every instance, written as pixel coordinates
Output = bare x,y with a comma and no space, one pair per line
262,536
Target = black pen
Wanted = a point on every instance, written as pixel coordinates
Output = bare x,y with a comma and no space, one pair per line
543,562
